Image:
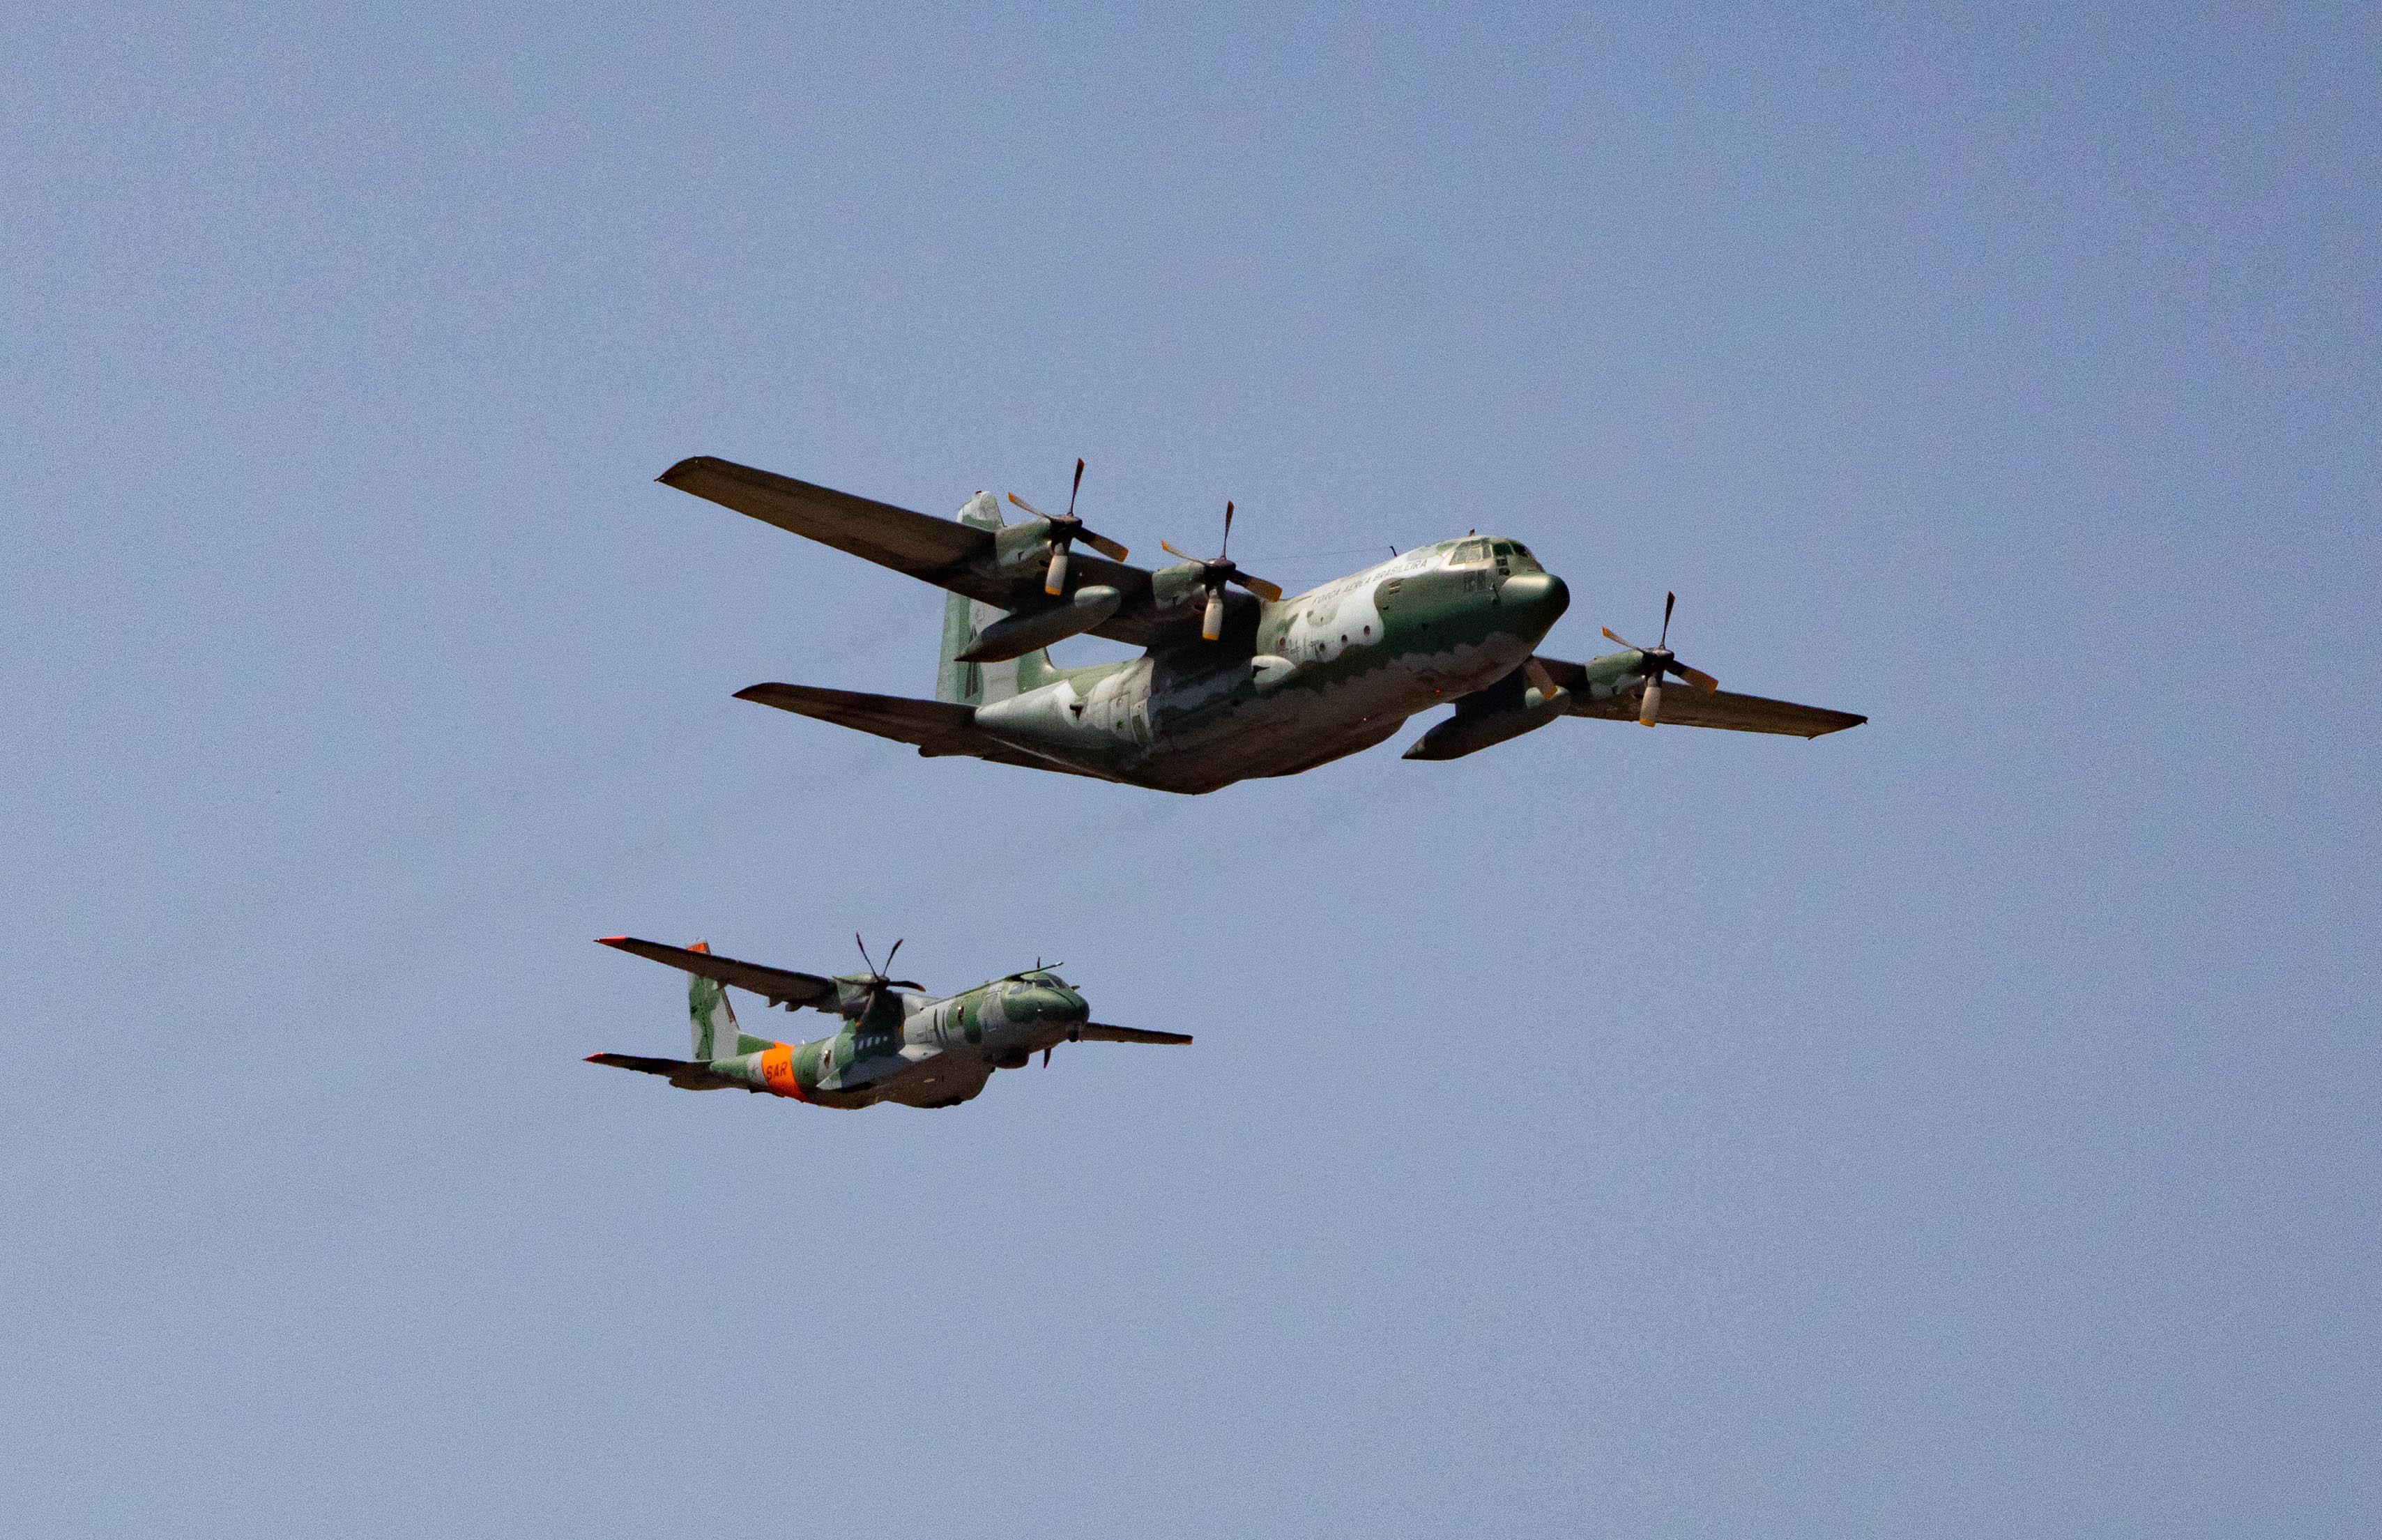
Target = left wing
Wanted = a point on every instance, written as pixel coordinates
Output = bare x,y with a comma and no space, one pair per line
779,986
1684,706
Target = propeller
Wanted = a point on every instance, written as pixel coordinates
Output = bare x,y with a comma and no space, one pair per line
878,982
1659,661
1216,573
1064,531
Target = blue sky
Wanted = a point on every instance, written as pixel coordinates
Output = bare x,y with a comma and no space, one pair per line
1963,1125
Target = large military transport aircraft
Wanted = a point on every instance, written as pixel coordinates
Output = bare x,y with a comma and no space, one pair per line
895,1045
1236,681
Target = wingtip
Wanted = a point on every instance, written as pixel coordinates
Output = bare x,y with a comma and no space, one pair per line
683,466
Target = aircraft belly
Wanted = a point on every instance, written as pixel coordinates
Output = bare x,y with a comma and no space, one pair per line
1157,726
902,1076
1102,727
946,1079
1333,709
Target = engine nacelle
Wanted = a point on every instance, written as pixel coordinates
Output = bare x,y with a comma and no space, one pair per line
1015,636
1471,733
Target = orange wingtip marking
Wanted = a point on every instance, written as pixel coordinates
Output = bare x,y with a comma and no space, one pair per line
610,940
698,946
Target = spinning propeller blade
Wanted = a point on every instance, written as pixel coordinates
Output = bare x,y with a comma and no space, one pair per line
1064,530
876,980
1216,572
1659,661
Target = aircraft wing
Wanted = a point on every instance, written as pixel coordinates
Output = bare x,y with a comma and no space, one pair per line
939,728
779,986
1684,706
944,552
1093,1031
913,543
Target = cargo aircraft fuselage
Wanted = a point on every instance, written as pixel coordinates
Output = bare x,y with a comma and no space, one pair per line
1236,681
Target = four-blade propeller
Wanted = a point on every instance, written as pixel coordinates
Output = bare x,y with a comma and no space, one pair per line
1659,661
1066,530
1218,572
876,979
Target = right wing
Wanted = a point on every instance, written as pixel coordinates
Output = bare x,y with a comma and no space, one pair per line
1092,1032
939,728
779,986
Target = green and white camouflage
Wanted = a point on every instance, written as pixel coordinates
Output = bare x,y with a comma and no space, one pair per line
1235,681
896,1044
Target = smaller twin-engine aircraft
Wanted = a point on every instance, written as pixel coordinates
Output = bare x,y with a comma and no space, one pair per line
895,1045
1236,681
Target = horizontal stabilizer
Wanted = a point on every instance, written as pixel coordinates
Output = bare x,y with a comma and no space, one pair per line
682,1073
936,726
778,986
1095,1032
939,728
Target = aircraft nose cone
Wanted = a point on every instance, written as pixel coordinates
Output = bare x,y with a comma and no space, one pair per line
1535,599
1064,1006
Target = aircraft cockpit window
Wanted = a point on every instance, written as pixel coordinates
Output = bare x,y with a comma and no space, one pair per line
1468,553
1504,547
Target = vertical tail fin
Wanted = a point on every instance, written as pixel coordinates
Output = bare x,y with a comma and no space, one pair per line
981,684
714,1019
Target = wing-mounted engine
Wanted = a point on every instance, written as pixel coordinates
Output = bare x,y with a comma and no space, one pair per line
860,996
1059,535
1620,687
1213,573
1087,609
1051,612
1523,701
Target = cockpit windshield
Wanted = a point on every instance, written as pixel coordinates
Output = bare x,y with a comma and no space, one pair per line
1512,556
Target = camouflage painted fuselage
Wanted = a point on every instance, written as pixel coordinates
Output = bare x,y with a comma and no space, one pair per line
905,1047
1289,684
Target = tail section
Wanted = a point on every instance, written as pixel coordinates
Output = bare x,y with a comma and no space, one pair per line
716,1036
982,684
